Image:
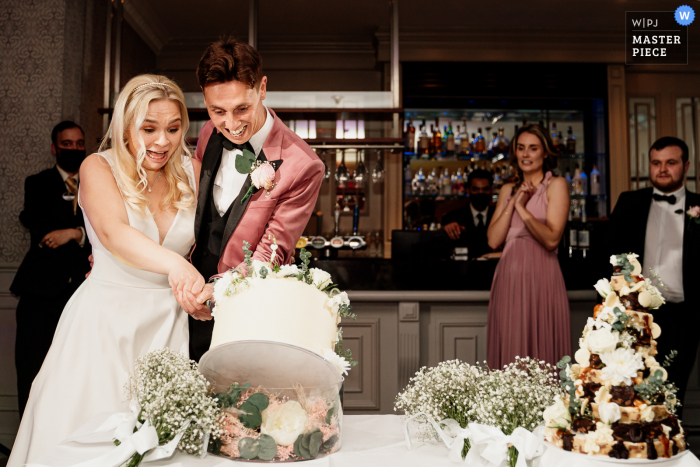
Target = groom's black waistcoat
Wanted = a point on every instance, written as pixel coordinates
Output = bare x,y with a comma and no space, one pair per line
206,255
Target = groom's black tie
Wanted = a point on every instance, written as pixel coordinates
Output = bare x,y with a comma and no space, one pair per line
229,145
671,199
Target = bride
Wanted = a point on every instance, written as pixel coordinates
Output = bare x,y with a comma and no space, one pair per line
139,200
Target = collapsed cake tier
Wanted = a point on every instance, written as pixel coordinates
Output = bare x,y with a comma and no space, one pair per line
619,401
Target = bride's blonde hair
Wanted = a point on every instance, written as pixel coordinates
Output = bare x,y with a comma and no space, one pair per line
131,109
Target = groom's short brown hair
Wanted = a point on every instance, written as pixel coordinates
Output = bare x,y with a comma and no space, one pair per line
229,59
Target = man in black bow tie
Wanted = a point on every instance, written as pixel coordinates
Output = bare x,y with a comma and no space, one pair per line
652,222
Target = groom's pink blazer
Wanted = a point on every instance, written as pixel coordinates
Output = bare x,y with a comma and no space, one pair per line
284,214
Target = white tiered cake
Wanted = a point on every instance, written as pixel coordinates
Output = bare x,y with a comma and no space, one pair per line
619,402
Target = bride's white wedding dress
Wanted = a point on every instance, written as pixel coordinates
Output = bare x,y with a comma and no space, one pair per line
117,315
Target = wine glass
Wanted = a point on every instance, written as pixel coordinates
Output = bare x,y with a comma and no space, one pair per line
360,171
342,175
378,171
327,173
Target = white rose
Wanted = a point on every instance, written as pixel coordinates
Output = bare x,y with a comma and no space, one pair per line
613,260
287,270
602,340
284,423
609,412
557,415
656,301
603,287
320,278
336,300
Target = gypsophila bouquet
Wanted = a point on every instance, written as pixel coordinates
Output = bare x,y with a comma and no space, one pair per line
171,392
513,397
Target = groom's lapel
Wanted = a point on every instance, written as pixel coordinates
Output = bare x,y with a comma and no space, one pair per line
238,208
210,159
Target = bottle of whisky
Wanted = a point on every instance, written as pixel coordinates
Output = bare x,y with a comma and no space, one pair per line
492,144
472,143
446,183
444,140
570,142
556,142
464,142
450,140
437,139
479,142
423,141
595,181
410,137
431,143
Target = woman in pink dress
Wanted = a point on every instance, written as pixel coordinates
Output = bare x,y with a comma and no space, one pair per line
529,309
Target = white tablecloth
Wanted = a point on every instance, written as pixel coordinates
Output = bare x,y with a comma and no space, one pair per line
368,441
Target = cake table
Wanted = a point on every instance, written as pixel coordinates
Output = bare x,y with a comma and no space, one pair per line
368,440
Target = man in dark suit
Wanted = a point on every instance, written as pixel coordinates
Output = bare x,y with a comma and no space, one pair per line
467,225
652,222
57,260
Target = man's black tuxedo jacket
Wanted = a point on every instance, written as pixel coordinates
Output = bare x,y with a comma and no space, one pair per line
478,244
45,271
628,227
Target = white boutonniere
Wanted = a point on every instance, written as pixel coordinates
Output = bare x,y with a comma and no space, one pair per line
262,174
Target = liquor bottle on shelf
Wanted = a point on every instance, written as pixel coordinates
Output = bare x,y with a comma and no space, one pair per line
437,139
472,143
595,181
450,140
584,234
444,140
423,141
497,180
464,141
458,183
573,233
446,182
501,143
431,143
418,185
561,149
492,144
407,179
556,142
410,137
570,141
576,182
433,182
584,183
457,139
479,142
567,177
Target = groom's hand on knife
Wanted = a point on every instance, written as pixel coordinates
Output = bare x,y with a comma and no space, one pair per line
195,304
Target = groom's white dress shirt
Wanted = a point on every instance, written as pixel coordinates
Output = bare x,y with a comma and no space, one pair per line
663,246
228,181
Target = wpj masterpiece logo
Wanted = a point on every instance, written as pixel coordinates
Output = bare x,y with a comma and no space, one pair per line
657,37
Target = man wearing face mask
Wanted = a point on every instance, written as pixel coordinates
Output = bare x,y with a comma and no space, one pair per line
58,253
467,225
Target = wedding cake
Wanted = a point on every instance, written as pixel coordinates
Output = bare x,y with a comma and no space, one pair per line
290,304
619,401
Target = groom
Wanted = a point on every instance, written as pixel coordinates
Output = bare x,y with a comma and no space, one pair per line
241,130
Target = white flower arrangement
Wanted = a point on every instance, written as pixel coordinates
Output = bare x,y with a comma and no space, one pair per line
172,392
603,288
621,365
513,397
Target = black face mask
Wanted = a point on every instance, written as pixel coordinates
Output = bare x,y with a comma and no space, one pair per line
70,159
480,201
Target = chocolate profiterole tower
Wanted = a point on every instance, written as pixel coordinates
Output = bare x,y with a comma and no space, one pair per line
619,402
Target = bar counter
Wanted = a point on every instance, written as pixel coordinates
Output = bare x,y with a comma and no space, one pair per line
412,314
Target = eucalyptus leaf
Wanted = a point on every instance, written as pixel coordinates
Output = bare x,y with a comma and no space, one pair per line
267,447
305,440
330,443
249,448
297,444
223,400
252,417
331,413
315,443
301,451
244,161
259,400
